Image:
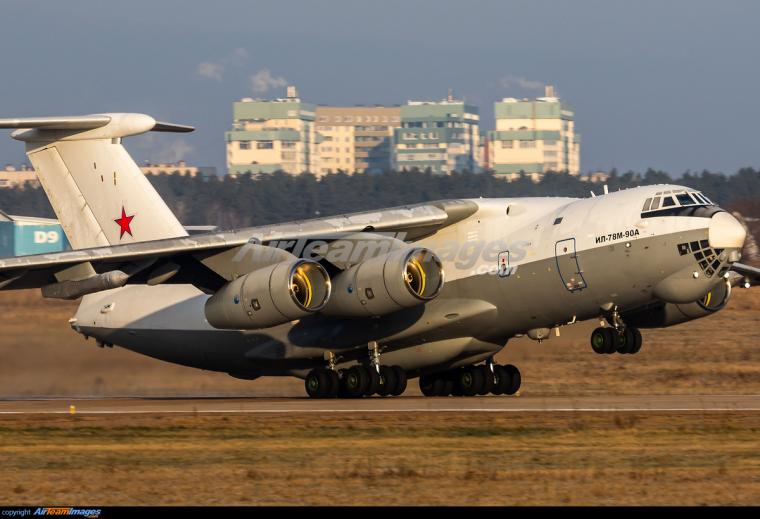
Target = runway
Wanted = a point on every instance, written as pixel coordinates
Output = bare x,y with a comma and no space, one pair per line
411,404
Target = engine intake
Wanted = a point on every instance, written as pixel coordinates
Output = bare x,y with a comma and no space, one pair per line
269,296
400,279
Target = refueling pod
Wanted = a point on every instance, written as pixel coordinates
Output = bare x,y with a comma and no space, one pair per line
400,279
271,295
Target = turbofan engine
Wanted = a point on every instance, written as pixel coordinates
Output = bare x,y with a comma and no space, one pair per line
669,314
270,295
400,279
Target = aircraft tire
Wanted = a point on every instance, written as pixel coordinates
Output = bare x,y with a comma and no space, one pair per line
488,380
355,381
388,381
318,383
637,340
514,377
500,380
373,384
624,341
334,380
448,386
401,380
470,381
428,385
602,340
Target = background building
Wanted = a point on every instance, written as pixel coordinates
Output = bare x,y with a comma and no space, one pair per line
443,136
23,235
181,167
269,136
12,177
356,138
534,136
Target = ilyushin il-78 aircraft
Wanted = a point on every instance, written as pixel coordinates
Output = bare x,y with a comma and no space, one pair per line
356,304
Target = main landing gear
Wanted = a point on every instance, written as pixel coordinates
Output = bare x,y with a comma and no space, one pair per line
617,339
356,382
472,380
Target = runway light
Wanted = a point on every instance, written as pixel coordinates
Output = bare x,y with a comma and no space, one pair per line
72,409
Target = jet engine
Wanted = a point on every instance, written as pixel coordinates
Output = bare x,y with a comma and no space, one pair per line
400,279
270,295
669,314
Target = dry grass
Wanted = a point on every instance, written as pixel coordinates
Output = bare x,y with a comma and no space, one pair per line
572,458
568,458
719,354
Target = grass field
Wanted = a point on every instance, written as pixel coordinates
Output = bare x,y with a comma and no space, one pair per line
567,458
41,355
463,458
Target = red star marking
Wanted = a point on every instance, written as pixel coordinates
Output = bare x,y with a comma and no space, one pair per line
124,223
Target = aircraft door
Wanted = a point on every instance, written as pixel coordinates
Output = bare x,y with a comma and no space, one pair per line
567,265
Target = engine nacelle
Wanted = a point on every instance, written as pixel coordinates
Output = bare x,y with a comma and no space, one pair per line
271,295
381,285
669,314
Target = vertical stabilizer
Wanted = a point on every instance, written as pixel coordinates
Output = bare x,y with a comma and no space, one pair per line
97,191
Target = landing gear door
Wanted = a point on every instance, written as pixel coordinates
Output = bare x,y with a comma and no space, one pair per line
567,265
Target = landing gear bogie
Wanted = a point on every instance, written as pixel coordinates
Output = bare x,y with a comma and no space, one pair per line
609,340
356,382
472,380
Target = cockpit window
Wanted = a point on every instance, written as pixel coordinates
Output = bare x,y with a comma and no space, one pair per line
675,203
685,199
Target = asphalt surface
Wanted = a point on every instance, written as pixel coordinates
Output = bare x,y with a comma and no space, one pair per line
411,404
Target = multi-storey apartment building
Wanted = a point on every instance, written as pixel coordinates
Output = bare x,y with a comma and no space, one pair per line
356,138
269,136
441,136
534,136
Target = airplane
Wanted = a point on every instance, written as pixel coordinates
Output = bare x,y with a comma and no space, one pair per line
357,304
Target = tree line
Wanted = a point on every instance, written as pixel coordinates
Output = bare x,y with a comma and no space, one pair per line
234,202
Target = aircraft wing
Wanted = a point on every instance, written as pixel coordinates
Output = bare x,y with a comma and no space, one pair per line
207,260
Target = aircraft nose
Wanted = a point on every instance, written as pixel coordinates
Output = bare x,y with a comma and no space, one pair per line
725,232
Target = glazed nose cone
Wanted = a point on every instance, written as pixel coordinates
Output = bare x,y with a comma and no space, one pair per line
725,232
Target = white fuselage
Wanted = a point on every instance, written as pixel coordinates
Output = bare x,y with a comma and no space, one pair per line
510,267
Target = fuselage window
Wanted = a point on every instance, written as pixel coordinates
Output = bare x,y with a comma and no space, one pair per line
646,204
685,199
668,201
655,203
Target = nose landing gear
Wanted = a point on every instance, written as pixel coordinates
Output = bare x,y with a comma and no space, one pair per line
617,339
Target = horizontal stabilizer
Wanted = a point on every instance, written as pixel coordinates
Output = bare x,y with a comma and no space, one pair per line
79,122
169,127
96,126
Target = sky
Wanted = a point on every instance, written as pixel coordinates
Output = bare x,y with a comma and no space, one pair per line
671,85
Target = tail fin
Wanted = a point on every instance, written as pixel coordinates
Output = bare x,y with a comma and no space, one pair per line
97,191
